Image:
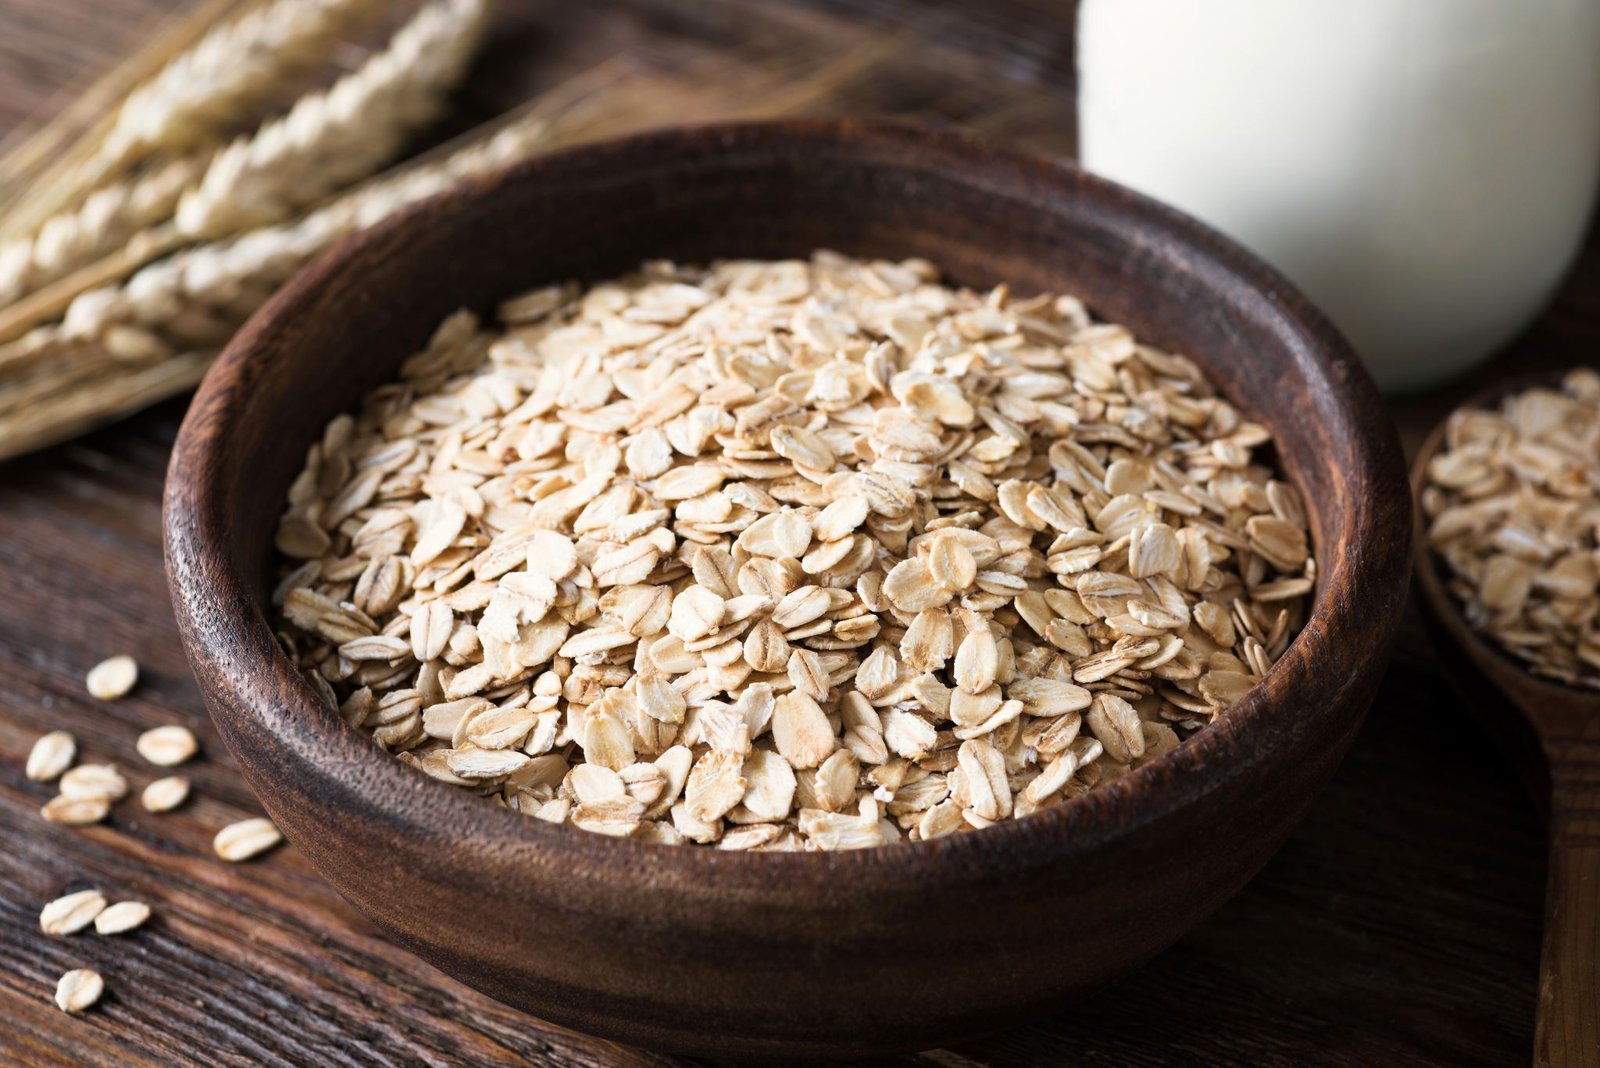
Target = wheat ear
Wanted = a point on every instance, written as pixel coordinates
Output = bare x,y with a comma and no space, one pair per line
194,300
121,347
331,139
103,223
124,347
201,93
83,117
326,141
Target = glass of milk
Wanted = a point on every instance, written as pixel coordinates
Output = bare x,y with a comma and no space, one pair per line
1423,169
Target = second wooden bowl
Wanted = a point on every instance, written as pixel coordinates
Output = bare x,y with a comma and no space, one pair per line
784,954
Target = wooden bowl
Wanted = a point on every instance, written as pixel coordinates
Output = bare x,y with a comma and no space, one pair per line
787,954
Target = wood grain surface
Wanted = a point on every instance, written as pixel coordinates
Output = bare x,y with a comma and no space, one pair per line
1400,925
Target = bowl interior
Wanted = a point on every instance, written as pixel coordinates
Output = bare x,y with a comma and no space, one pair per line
981,215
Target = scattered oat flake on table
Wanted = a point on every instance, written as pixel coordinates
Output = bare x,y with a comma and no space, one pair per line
78,990
122,917
245,839
164,795
72,913
51,755
75,811
113,678
167,746
94,781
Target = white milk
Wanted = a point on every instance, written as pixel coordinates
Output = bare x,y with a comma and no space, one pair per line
1423,169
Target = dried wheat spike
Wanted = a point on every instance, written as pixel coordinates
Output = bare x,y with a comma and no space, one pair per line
125,347
331,139
196,298
202,92
107,220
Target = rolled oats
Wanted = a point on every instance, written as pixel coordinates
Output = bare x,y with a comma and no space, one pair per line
1513,510
78,990
167,746
112,678
164,795
122,917
51,755
75,811
72,913
790,555
94,782
241,841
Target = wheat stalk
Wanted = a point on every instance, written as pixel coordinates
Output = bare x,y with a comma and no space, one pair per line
330,139
194,300
326,141
88,286
121,347
106,221
200,94
115,392
27,150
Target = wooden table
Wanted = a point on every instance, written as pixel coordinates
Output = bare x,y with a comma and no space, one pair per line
1399,925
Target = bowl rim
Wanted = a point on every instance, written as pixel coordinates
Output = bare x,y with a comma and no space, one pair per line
1376,517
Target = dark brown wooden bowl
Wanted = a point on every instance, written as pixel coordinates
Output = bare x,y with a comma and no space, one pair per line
787,954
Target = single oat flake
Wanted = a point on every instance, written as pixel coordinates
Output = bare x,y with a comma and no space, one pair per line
788,555
51,755
72,913
122,917
88,782
113,678
75,811
78,990
167,746
241,841
164,795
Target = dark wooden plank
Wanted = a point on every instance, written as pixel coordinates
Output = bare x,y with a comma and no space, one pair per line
1400,925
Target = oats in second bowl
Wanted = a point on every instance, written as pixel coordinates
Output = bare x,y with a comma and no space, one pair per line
788,555
1513,508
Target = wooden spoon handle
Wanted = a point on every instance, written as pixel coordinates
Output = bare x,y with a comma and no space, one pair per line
1567,1034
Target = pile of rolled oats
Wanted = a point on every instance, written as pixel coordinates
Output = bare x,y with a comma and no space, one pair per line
788,555
1513,506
